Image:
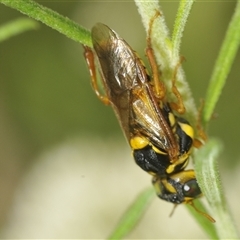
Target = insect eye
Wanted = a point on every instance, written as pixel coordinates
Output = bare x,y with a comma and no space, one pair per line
191,189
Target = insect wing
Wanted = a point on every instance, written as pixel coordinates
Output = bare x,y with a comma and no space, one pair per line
119,73
150,120
127,86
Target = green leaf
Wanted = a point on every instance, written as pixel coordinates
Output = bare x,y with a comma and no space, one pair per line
208,177
16,27
181,19
52,19
133,214
223,65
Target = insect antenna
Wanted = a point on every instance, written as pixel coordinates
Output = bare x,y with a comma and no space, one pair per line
173,210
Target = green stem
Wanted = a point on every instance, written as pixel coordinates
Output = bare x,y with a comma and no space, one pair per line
223,65
52,19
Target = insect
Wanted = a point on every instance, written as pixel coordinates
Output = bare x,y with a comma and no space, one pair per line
161,141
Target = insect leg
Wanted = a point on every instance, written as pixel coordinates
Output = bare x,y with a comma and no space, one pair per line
89,56
158,85
201,133
179,105
202,213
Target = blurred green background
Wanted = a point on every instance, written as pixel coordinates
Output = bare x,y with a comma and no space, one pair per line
45,90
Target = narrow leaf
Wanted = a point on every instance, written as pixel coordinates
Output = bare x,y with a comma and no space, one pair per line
16,27
133,214
208,177
52,19
181,19
223,64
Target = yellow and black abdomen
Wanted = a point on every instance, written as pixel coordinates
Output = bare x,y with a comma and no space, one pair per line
156,159
151,161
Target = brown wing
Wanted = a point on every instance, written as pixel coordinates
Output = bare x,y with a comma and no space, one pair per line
128,88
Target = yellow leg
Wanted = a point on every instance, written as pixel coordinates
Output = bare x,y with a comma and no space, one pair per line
177,106
201,133
202,213
159,86
89,56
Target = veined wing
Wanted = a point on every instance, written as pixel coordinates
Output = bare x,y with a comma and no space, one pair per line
128,88
118,65
151,121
